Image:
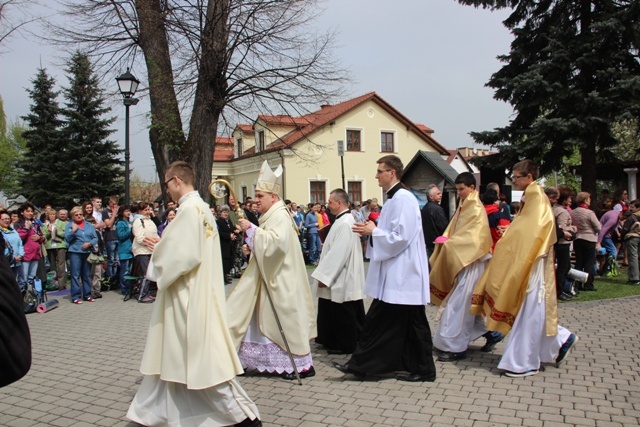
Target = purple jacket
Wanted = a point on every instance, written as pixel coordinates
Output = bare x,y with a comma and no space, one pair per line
609,222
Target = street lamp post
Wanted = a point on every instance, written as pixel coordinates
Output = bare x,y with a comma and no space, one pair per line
128,84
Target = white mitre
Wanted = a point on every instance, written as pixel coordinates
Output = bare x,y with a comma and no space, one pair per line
268,180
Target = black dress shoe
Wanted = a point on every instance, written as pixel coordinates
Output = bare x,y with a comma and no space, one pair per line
248,422
564,297
448,356
304,374
416,377
331,351
493,338
346,369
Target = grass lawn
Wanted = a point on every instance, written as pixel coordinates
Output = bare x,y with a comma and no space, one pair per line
609,287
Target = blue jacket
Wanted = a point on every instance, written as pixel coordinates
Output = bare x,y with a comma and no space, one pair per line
12,238
311,222
125,250
80,237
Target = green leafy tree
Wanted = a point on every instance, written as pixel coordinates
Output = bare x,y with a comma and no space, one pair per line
627,132
572,73
42,170
12,144
91,160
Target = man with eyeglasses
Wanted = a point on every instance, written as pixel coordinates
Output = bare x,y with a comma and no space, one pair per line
396,335
189,364
517,291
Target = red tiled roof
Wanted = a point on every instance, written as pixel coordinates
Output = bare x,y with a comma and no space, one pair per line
311,122
452,155
283,120
245,128
223,151
329,113
424,128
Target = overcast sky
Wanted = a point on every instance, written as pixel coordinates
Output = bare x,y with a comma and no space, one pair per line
429,58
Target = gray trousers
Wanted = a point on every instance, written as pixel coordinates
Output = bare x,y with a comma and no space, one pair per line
632,254
58,261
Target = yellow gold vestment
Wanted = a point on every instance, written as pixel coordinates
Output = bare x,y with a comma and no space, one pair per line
501,290
469,239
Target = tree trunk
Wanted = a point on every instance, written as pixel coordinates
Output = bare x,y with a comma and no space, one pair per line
210,96
166,134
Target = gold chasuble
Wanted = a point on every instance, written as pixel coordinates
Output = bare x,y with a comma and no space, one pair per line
469,239
501,290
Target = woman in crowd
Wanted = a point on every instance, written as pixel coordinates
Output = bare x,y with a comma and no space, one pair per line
228,238
620,200
125,253
56,247
15,249
563,247
80,237
143,227
238,256
585,244
96,269
324,215
32,239
374,212
170,214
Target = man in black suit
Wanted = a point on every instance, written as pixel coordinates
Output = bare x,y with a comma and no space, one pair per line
434,219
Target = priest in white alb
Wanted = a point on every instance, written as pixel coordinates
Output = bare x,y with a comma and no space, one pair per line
189,362
340,281
276,265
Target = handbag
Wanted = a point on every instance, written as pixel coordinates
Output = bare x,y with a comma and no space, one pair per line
95,258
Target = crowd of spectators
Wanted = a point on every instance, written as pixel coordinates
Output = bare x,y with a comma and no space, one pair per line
87,248
602,235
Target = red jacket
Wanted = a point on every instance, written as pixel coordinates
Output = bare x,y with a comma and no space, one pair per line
32,250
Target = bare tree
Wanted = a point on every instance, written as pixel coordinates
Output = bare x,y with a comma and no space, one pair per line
14,16
207,57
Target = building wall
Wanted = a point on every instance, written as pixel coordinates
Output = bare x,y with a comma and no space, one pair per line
316,158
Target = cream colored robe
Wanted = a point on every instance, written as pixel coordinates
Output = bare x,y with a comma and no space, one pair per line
341,266
188,340
277,261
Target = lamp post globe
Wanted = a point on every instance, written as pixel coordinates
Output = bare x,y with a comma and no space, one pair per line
128,85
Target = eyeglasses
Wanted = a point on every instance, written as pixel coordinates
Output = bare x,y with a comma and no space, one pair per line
169,180
517,176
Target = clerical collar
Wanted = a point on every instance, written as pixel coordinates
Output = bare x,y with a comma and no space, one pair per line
341,214
393,190
189,195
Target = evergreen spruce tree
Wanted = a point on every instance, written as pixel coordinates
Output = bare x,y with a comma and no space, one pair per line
93,165
572,73
12,146
41,170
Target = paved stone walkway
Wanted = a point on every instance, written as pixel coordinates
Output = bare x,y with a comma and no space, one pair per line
86,358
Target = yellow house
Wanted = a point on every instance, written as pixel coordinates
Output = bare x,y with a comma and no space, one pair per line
307,148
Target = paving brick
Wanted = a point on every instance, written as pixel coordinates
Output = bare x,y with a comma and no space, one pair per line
598,385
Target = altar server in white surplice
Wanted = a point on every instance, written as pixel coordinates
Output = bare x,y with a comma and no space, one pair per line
189,362
277,263
396,334
340,280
